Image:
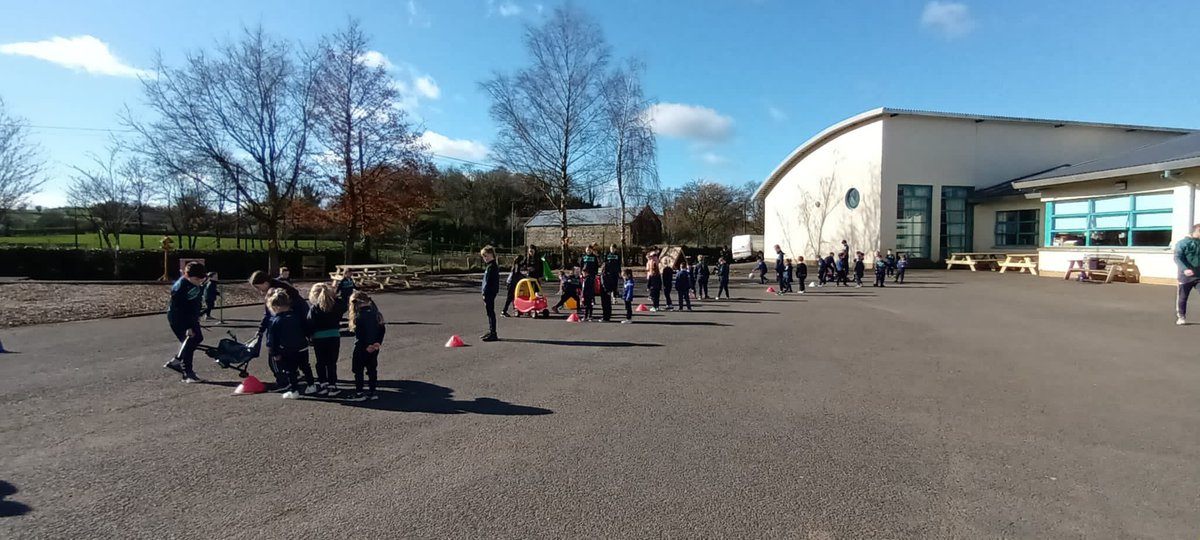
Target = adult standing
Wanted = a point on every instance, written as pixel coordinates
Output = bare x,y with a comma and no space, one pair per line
514,276
610,280
779,268
1187,259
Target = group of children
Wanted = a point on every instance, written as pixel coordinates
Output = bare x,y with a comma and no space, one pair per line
291,325
834,269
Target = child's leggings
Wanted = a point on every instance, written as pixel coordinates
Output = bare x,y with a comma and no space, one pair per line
655,285
703,288
723,288
326,351
685,299
667,294
364,361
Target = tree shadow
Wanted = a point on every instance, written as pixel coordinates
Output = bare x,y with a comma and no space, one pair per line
740,312
416,396
11,508
682,323
413,323
581,343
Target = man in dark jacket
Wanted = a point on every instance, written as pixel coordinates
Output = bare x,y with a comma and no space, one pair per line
491,287
610,279
1187,259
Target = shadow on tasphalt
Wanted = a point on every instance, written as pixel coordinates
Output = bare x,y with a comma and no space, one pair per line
581,343
682,323
11,508
423,397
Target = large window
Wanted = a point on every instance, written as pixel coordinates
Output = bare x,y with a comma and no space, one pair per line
1126,221
1016,228
913,213
956,227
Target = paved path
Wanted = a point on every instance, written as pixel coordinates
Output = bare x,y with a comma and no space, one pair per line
960,406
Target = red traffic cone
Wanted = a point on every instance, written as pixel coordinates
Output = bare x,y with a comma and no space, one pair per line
250,385
573,318
642,307
455,341
770,289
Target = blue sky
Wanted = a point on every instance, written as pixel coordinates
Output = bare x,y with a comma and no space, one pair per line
741,82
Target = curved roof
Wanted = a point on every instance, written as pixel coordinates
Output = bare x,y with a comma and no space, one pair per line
885,112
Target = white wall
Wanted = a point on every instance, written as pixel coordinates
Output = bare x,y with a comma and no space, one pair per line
851,160
961,152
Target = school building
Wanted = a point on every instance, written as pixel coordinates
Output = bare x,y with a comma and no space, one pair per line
929,184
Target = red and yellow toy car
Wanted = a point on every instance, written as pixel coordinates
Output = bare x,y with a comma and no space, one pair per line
528,299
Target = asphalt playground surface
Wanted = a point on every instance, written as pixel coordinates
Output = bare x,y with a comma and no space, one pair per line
961,405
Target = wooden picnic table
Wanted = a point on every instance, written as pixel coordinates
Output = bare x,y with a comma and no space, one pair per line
1108,266
1025,262
380,275
973,260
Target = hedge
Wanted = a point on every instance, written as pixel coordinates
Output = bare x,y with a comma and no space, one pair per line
96,264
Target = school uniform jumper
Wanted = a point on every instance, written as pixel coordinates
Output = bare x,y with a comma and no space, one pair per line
211,292
859,270
325,327
900,266
367,331
881,268
723,279
891,264
802,274
287,345
779,268
683,285
702,281
1187,257
628,296
490,288
183,314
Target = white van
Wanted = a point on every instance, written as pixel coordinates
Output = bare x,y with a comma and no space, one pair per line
746,246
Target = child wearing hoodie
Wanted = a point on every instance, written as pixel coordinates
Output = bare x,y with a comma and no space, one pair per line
628,296
881,269
801,272
901,264
183,315
668,275
287,345
683,284
859,269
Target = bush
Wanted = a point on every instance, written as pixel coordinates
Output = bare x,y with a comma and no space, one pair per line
96,264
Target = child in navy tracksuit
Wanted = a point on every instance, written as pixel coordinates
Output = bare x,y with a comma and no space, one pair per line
801,272
723,278
786,287
210,295
881,269
326,308
891,263
668,274
901,264
369,328
287,343
183,314
683,285
859,269
490,288
762,270
628,295
843,270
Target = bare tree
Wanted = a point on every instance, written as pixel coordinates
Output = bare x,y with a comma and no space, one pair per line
635,169
706,212
814,210
551,113
142,185
103,193
243,111
356,121
21,163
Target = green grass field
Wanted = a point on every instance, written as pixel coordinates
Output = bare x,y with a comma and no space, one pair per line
128,242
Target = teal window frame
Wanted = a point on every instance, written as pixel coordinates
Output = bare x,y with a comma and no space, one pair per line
1093,220
916,246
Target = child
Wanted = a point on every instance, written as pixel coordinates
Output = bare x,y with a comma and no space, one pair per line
822,269
801,272
843,270
210,295
723,278
367,324
858,268
514,276
285,275
264,284
786,285
287,345
328,302
891,263
831,268
780,266
668,283
702,278
683,284
567,289
628,296
183,314
900,266
653,278
761,269
490,288
881,269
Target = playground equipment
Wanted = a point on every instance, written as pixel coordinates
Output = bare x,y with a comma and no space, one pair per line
527,298
230,353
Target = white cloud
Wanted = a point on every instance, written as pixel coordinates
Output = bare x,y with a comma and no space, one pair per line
776,113
508,9
952,19
713,158
690,122
376,59
426,86
454,148
417,15
80,53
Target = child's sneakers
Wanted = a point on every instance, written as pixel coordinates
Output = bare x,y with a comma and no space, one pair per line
174,364
357,396
311,389
626,321
372,396
291,394
190,378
